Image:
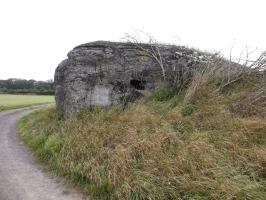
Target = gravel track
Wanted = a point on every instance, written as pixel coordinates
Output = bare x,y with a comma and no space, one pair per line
20,177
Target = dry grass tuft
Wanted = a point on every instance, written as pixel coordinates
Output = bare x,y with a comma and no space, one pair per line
253,102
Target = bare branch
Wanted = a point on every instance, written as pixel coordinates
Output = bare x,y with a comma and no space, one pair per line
153,51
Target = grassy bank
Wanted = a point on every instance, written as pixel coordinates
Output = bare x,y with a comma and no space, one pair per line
10,101
160,148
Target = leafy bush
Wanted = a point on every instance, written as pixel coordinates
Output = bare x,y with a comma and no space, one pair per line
164,93
187,110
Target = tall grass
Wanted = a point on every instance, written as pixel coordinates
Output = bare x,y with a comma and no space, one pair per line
160,148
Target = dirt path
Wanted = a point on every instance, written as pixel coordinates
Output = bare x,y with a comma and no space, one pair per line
20,177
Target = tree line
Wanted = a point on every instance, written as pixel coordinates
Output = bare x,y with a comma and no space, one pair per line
22,86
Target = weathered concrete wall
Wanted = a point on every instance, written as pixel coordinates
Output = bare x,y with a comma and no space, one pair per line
107,73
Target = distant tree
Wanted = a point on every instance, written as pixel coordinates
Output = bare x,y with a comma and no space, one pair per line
14,85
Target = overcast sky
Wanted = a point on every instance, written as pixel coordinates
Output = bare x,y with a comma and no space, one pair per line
36,35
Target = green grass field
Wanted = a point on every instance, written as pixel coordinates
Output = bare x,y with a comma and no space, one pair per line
10,101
